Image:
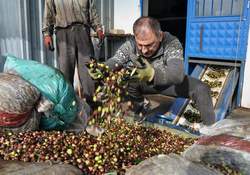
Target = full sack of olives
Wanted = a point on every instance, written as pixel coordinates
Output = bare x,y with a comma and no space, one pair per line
17,100
52,85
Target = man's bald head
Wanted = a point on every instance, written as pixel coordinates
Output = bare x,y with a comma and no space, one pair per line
145,23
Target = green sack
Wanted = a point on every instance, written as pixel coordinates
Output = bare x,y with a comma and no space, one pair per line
52,85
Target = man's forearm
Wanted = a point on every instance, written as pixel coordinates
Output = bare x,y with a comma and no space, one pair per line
121,57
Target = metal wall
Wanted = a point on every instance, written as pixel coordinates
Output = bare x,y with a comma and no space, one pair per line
11,27
21,23
105,10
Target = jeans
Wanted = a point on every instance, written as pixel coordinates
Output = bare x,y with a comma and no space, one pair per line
190,88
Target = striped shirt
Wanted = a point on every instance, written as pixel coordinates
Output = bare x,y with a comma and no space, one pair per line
63,13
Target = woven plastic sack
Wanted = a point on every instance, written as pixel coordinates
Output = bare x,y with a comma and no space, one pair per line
17,99
239,127
52,85
171,164
32,124
224,150
34,168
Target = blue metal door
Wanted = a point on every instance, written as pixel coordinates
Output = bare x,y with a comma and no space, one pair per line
217,29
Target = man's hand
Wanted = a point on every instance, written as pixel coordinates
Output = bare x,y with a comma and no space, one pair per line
48,42
100,34
145,74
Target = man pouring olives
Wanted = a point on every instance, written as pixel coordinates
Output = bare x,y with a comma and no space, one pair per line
161,55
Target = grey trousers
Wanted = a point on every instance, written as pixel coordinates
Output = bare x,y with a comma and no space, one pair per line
190,88
74,46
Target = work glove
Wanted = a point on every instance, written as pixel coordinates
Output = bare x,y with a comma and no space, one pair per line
95,74
144,74
100,34
48,42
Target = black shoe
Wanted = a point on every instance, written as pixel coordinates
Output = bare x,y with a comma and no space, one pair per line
142,110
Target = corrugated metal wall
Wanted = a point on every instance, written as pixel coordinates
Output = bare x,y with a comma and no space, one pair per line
20,28
11,36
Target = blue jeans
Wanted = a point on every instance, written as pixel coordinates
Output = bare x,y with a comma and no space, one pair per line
191,88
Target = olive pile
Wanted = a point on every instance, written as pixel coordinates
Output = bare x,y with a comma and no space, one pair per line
225,169
214,94
122,146
216,74
192,116
213,84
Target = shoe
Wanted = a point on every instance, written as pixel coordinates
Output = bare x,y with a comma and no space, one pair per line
142,110
193,126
